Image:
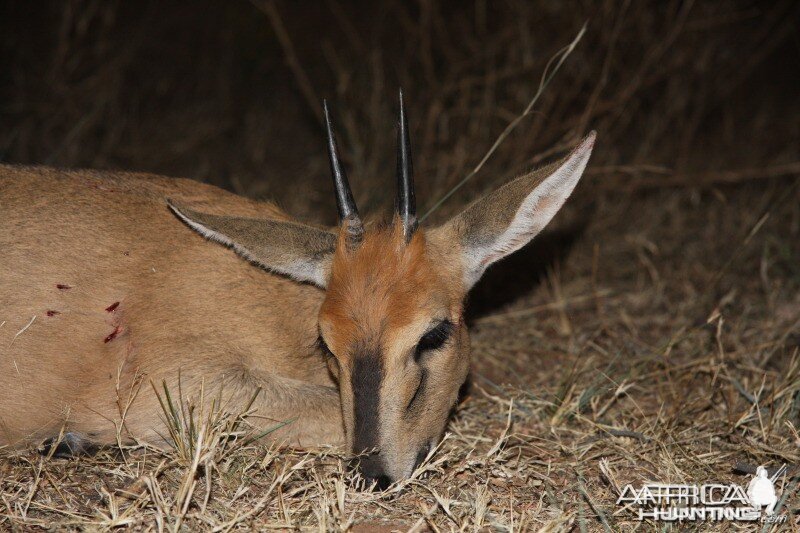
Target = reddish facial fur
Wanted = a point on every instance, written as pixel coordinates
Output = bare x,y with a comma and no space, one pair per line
377,287
382,296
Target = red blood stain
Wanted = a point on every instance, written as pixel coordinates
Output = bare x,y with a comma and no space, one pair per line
53,313
62,287
113,307
113,334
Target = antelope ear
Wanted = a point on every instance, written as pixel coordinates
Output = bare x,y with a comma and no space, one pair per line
508,218
300,252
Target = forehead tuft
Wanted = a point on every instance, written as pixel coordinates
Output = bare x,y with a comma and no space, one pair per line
381,283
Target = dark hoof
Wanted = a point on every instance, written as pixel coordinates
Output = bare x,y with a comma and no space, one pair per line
70,445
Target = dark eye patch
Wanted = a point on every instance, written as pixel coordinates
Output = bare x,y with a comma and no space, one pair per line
435,338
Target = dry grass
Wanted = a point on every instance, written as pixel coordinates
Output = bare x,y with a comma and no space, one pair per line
653,334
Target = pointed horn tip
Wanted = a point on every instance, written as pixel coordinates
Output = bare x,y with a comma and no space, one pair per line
325,111
402,113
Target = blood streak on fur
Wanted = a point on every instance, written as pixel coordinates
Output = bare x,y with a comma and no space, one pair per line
53,313
63,287
113,334
113,307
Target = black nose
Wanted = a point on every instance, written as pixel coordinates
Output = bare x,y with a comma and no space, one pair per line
371,469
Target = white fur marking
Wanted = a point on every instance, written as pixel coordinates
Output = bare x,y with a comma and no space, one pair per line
298,270
535,212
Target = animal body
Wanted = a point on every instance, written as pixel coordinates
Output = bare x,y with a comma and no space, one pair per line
112,281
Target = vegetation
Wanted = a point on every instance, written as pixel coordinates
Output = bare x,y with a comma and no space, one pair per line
652,334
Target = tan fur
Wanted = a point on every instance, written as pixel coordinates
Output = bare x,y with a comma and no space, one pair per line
184,305
127,290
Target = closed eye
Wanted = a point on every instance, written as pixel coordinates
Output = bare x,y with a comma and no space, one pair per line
434,338
422,378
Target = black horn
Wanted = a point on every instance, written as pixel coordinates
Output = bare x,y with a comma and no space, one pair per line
406,203
348,212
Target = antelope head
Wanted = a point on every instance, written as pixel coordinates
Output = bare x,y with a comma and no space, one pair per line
391,323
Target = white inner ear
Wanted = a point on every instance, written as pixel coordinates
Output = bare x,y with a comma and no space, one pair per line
297,269
535,212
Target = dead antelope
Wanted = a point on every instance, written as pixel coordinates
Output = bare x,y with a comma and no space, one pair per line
356,333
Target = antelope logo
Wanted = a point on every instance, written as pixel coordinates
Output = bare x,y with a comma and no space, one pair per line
761,490
356,333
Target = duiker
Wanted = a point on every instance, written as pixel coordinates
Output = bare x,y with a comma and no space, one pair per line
111,280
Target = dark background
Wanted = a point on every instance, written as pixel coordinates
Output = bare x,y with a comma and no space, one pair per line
204,89
695,103
654,327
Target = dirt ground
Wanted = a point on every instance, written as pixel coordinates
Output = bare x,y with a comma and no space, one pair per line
650,335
